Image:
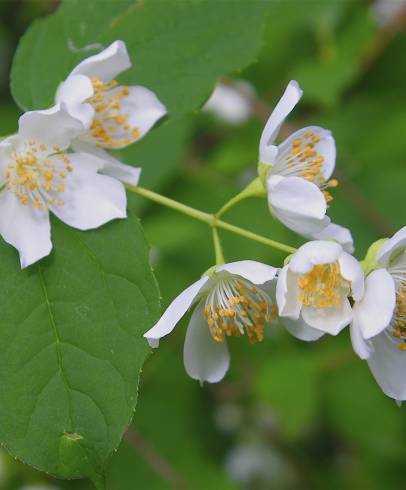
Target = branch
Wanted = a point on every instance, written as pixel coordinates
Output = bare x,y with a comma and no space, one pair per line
156,461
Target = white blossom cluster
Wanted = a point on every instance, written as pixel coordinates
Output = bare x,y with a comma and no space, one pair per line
58,162
321,289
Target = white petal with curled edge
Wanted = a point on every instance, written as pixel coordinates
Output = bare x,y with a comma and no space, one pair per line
351,270
111,166
253,271
105,65
289,99
300,329
363,348
52,127
394,244
204,358
374,311
90,199
287,294
330,320
74,93
325,148
338,233
143,107
297,195
174,312
25,228
388,365
303,225
314,253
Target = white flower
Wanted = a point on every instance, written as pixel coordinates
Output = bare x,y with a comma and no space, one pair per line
252,462
313,288
231,102
112,116
231,300
383,344
38,176
299,169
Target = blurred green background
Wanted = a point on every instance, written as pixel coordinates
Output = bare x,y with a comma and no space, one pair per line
289,415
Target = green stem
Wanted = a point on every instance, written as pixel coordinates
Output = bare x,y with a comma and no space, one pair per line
232,202
209,219
171,203
254,236
217,247
253,189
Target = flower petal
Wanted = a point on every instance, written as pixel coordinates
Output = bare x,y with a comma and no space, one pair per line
174,312
204,358
53,127
74,93
90,199
338,233
231,102
388,365
268,155
325,148
351,270
25,228
391,246
107,64
111,166
300,329
362,347
330,320
314,253
144,109
296,195
287,294
374,311
303,225
253,271
285,105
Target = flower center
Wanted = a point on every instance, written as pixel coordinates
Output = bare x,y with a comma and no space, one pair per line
397,326
37,173
236,307
303,160
110,126
323,286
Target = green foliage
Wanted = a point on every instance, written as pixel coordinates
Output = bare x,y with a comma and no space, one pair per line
293,397
315,405
71,331
178,49
78,350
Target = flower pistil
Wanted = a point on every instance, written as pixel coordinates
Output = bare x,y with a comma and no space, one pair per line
110,125
237,307
322,286
36,173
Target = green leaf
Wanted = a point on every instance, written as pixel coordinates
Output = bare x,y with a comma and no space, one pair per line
290,383
72,348
337,63
371,422
178,49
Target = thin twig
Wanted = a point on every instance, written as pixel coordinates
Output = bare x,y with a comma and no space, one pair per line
155,460
383,38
